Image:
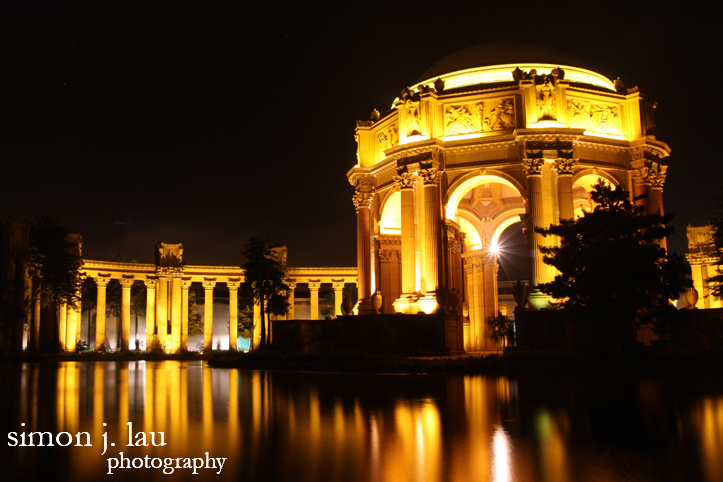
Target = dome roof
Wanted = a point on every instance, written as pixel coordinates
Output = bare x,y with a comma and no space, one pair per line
499,53
495,61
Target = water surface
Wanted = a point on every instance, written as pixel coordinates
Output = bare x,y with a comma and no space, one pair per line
359,427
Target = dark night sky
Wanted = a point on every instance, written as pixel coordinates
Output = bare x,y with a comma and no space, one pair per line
135,122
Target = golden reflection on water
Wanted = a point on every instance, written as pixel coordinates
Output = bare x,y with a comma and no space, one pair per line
285,426
708,417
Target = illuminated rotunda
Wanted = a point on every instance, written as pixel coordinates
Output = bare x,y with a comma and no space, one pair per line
490,136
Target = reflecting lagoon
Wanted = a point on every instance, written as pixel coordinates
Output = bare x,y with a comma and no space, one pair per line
292,426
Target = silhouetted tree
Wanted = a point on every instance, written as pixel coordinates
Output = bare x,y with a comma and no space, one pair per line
265,280
499,329
612,269
54,264
195,323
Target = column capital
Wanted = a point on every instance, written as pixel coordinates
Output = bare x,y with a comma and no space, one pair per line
233,284
314,285
151,283
405,180
533,166
337,284
565,166
657,177
209,283
126,281
102,280
186,283
430,176
362,199
291,283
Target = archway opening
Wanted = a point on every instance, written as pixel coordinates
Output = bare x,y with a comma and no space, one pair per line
512,253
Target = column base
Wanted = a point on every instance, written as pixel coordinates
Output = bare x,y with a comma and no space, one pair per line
539,300
428,303
406,304
364,307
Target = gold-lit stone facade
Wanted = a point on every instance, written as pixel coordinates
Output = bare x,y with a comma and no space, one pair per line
461,156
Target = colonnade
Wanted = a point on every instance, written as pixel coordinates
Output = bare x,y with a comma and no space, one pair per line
167,294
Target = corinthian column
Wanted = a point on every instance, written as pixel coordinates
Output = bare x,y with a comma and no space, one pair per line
151,284
338,286
533,168
406,181
233,286
362,202
176,315
564,168
291,283
101,282
208,285
430,177
126,283
185,286
314,286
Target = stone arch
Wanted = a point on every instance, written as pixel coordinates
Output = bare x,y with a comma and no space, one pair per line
509,218
582,183
460,187
589,173
390,220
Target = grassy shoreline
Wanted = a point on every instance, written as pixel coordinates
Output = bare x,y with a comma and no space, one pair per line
542,362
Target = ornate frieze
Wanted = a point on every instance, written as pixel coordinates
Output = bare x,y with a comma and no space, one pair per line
493,115
421,157
169,271
388,138
595,117
556,145
430,176
533,167
565,166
